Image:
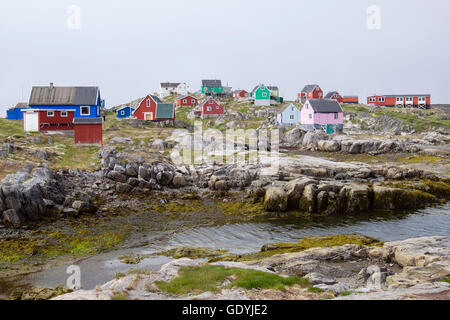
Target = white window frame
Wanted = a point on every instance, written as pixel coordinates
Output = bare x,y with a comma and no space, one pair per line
50,114
85,114
193,101
399,99
122,113
372,99
310,116
148,103
208,108
336,116
381,99
64,114
264,95
184,101
291,117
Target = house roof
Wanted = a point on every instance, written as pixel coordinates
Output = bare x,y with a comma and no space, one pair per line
211,83
124,107
325,105
21,105
206,100
309,87
63,96
88,120
331,94
288,106
272,88
164,110
259,85
170,84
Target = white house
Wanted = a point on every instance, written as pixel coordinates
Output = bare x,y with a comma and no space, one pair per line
168,88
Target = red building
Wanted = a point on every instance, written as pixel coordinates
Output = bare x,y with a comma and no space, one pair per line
334,95
400,100
151,108
186,101
350,99
88,131
209,108
48,119
240,94
310,91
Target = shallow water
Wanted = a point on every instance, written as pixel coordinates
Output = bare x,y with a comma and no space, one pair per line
249,237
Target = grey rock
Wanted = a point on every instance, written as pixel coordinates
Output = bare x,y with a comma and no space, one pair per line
318,278
13,217
117,176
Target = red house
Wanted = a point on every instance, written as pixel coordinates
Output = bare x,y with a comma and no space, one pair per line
239,94
350,99
400,100
186,101
88,131
310,91
209,108
151,108
334,95
48,119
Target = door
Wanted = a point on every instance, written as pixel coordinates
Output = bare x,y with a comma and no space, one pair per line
149,116
330,129
31,122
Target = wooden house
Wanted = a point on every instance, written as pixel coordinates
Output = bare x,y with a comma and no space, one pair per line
261,95
151,108
125,112
310,91
334,95
422,101
212,88
210,108
186,101
289,115
322,114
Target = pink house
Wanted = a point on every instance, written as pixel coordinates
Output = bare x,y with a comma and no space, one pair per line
320,114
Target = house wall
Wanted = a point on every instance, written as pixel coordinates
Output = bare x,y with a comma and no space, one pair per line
350,99
305,113
212,90
88,133
392,101
127,113
57,122
14,114
328,118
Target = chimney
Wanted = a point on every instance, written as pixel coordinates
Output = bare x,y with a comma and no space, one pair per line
51,85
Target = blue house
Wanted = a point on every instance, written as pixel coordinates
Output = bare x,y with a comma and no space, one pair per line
125,112
290,115
16,113
86,101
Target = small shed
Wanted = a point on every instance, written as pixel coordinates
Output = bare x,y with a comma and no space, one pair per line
186,101
88,131
125,112
16,113
48,119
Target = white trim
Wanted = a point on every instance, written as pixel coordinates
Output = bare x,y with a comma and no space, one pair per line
50,114
152,117
64,112
85,114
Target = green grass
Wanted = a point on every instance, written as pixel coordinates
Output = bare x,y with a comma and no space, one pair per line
80,157
10,127
194,280
428,119
315,290
345,293
446,279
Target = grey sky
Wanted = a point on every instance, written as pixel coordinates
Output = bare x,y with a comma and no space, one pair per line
128,47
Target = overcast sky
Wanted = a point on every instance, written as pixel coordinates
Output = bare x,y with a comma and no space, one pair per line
128,47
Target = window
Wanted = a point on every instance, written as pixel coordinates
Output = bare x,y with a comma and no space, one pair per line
209,108
122,113
291,117
193,101
264,94
399,99
372,99
310,116
217,108
50,114
85,111
63,114
184,101
292,108
336,116
381,99
148,102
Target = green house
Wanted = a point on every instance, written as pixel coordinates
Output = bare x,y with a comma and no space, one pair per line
212,87
261,95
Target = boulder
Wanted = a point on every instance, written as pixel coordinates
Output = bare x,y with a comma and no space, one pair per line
179,181
329,145
117,176
131,170
275,200
294,190
318,278
83,207
13,218
144,174
308,201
